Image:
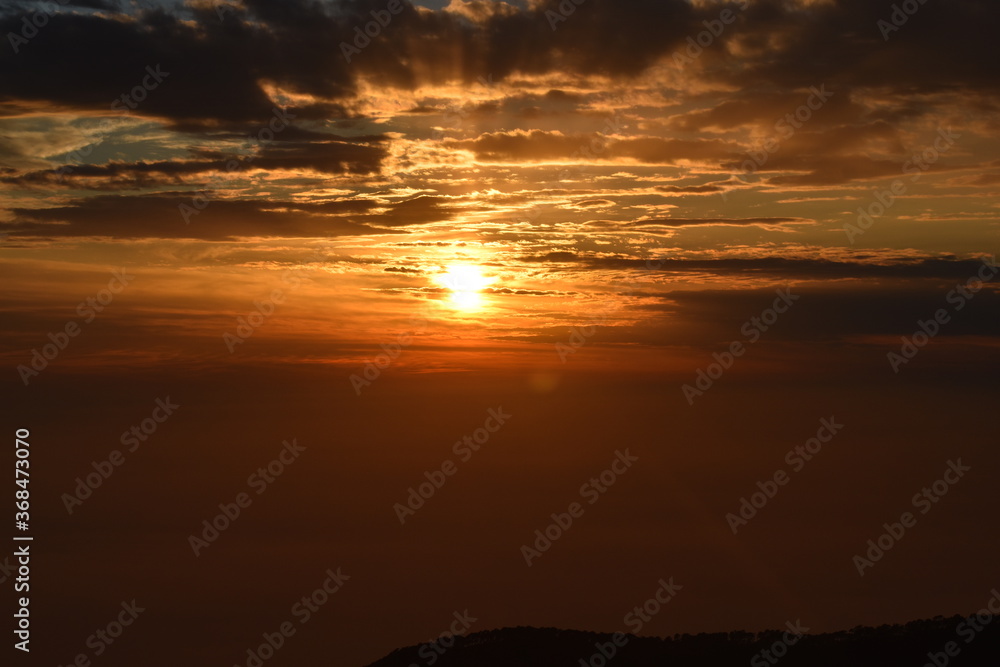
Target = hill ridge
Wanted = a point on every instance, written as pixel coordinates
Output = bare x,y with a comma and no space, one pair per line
956,641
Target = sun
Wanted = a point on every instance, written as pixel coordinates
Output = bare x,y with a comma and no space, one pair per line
466,283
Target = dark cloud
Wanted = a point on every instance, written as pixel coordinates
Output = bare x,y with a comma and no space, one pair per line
539,145
416,211
160,216
218,68
697,222
765,108
326,156
707,188
841,42
779,267
592,203
715,317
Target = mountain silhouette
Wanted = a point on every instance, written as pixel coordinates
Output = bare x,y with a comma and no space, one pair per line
917,644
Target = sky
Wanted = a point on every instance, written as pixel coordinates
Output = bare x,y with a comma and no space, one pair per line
684,229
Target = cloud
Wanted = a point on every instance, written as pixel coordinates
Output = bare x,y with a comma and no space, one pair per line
539,145
159,216
713,222
220,70
326,156
777,267
823,314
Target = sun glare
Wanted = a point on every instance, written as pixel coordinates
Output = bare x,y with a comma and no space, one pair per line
466,283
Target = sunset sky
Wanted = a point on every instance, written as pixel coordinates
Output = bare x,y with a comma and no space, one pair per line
571,211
